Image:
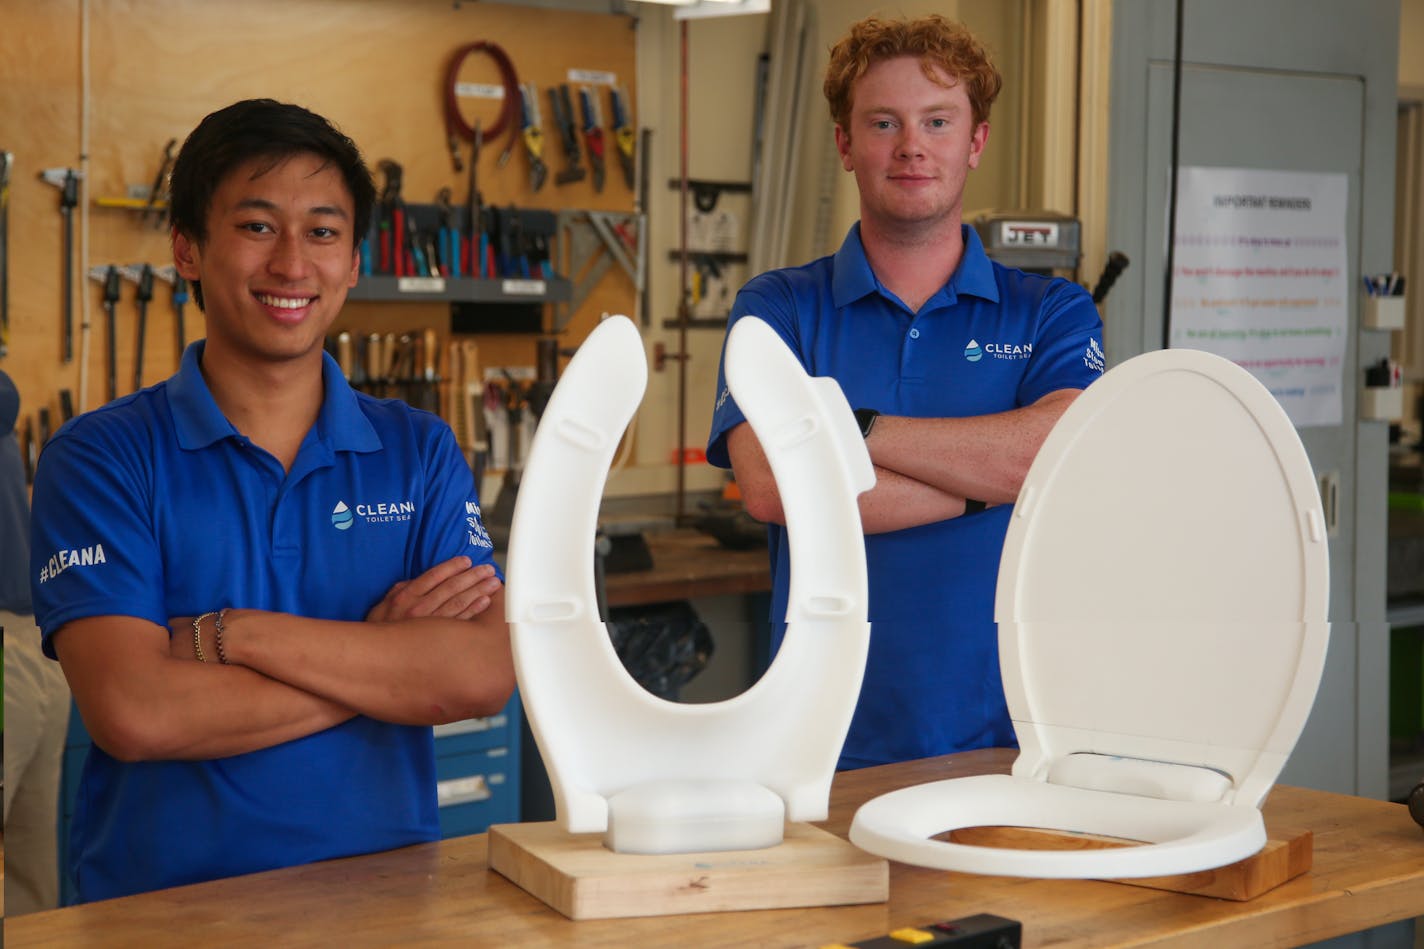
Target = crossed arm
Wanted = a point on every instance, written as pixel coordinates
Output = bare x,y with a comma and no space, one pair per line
924,467
435,649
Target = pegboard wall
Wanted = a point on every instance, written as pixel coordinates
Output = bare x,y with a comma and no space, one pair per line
376,68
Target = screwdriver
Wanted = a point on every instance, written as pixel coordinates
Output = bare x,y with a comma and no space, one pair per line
111,298
145,294
69,197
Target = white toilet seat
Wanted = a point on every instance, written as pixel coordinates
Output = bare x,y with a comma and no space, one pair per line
1162,610
1183,833
600,733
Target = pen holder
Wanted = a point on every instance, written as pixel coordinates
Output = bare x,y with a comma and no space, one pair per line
1383,313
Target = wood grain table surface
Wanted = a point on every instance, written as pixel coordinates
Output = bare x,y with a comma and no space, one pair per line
1368,870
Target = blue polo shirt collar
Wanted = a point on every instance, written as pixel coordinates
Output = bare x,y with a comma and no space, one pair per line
853,279
199,422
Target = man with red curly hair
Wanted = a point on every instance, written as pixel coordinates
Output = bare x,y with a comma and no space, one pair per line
959,367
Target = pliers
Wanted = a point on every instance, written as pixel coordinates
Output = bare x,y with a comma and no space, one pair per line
533,133
592,133
623,135
392,220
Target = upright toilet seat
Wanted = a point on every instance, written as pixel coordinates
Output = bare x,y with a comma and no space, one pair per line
1162,609
605,739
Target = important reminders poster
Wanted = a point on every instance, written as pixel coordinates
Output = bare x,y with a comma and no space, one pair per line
1260,278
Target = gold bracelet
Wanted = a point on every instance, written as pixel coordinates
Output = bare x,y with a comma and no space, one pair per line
222,656
198,636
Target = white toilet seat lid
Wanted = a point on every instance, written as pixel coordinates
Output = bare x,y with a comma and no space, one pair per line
1164,581
1162,620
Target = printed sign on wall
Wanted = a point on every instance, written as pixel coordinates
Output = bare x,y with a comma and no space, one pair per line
1260,278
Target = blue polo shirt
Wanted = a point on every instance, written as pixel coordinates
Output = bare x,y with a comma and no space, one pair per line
992,339
155,506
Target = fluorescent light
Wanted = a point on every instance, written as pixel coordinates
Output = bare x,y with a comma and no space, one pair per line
700,9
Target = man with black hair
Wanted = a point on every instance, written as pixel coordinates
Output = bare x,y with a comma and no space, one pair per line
262,586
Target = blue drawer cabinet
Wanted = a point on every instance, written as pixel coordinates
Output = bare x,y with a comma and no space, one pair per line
476,767
477,772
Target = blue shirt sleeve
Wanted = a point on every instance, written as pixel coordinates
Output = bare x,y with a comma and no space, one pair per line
1067,347
455,525
93,552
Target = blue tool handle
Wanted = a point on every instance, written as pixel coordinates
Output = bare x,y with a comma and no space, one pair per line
615,103
587,108
452,250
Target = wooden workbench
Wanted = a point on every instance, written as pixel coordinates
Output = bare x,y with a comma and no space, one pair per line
1368,871
689,564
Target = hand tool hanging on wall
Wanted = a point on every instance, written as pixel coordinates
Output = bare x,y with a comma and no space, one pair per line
44,428
169,274
374,365
142,275
429,350
455,125
563,109
533,133
392,227
448,251
67,181
623,135
470,395
156,209
7,159
474,207
30,452
109,277
345,355
592,133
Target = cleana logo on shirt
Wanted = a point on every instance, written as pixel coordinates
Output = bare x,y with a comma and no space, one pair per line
344,516
479,537
62,560
1011,351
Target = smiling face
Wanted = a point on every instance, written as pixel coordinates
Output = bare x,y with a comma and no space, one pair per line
277,260
910,141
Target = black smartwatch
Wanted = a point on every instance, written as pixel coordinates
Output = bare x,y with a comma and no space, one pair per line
865,418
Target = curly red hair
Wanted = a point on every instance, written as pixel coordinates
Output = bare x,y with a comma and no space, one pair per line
934,40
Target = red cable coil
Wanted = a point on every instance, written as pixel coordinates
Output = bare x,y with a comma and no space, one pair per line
509,112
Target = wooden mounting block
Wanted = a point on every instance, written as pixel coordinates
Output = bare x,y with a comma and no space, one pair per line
576,875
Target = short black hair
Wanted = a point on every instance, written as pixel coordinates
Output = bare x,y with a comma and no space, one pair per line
264,129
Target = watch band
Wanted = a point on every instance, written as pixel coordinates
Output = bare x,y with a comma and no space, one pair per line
972,506
865,418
